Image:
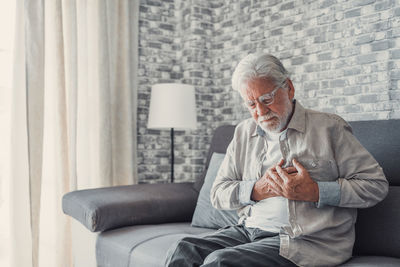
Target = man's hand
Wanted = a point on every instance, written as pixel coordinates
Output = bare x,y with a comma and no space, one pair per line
295,186
262,188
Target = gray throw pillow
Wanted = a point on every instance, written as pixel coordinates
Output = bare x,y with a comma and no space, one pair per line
205,215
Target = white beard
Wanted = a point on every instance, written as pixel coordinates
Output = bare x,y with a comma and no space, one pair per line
278,123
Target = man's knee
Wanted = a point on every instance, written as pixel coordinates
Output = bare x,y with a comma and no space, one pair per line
184,245
221,257
178,254
186,242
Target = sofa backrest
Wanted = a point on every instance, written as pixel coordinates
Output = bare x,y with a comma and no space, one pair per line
219,142
377,228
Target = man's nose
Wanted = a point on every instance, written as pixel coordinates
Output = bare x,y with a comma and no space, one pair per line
261,109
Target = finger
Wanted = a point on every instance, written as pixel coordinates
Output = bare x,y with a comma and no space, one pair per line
271,169
275,178
274,187
290,169
280,163
282,173
298,166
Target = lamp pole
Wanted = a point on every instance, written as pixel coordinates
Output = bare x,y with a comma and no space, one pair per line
172,155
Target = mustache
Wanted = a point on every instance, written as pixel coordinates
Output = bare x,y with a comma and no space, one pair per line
266,117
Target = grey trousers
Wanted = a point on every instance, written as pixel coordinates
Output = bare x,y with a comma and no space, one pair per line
231,246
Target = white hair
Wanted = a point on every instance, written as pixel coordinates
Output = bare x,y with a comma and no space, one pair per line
258,65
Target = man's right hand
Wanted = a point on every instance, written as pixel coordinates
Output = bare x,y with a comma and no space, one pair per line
261,189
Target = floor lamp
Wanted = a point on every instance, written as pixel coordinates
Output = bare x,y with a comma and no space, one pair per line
172,106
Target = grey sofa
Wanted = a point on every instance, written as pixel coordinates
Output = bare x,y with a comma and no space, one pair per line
138,223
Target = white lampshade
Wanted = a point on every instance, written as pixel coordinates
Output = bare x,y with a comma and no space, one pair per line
172,105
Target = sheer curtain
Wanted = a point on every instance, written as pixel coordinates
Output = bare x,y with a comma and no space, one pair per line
73,116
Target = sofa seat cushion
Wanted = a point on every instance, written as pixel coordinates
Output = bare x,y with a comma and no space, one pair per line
372,261
141,245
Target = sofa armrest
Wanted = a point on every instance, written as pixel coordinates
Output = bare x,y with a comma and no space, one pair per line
113,207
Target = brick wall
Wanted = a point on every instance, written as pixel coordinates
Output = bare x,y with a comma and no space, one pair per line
344,57
175,39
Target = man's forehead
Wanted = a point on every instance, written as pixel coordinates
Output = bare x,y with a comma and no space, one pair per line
257,87
259,80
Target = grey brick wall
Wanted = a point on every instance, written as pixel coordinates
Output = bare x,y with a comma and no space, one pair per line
344,57
175,39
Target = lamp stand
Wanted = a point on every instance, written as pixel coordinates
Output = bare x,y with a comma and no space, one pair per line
172,155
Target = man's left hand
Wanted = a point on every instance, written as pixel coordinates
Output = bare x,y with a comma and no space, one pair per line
294,186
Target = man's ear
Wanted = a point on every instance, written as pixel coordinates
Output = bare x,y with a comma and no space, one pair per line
291,89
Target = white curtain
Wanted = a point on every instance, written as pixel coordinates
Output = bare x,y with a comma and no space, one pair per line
73,116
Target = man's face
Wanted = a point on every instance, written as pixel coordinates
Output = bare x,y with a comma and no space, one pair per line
273,117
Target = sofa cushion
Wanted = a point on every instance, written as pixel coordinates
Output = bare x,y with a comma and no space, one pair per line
372,261
159,247
378,228
205,215
145,244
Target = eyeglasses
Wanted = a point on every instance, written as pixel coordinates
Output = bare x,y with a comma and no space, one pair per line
265,100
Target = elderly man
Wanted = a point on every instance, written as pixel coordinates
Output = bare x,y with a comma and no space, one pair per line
296,177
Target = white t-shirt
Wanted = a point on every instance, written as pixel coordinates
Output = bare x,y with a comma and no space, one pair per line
272,213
